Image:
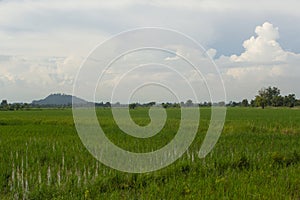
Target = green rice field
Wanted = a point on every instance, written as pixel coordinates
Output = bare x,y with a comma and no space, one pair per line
256,157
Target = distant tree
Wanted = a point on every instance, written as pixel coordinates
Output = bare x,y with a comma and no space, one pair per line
101,104
262,98
4,105
278,101
229,104
107,104
117,104
245,103
176,105
221,103
205,104
290,100
189,103
17,106
233,104
26,106
132,105
297,103
252,103
150,104
260,101
272,94
167,105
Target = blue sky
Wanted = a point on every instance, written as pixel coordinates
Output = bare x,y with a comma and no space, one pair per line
43,43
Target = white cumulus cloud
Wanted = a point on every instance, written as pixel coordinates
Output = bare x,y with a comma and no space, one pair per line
264,62
262,48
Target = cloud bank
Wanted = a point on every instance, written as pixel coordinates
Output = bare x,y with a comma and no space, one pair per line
43,43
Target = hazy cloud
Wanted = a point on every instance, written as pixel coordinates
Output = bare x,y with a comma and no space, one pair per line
43,43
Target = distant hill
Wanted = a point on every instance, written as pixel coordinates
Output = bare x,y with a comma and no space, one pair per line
58,100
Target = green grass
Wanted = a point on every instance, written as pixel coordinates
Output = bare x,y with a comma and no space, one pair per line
257,157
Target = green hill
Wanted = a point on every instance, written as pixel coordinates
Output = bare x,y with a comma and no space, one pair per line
59,100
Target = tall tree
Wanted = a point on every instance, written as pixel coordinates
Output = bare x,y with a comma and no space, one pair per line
272,96
262,98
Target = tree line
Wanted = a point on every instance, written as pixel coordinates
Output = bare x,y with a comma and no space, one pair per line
269,96
14,106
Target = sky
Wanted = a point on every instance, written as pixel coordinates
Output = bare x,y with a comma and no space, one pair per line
44,43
